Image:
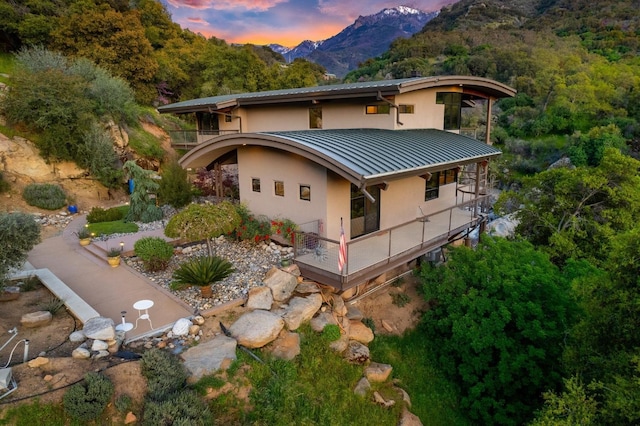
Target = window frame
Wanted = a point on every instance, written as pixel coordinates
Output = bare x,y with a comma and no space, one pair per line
255,181
301,192
277,185
377,109
315,117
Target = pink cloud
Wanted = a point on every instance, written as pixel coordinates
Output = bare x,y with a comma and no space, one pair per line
197,21
226,4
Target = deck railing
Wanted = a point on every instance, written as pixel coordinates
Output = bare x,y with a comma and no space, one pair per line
375,249
187,139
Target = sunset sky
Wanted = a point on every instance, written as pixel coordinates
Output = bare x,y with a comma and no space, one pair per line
286,22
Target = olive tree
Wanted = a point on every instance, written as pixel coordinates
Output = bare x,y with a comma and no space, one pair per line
203,221
19,233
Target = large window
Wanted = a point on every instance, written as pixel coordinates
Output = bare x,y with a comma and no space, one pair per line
452,109
378,109
315,118
207,122
432,186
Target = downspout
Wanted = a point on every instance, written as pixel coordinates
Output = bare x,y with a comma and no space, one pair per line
366,193
381,98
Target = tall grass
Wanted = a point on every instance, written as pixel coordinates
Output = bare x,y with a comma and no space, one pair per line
433,398
7,65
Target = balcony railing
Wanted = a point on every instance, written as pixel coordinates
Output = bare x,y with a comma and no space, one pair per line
389,247
187,139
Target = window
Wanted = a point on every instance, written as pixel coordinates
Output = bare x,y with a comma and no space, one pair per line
405,109
452,109
227,118
378,109
315,118
305,192
255,184
432,186
278,187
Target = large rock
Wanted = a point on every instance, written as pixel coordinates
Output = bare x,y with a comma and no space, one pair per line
286,346
36,319
281,284
357,353
181,327
363,387
360,332
99,328
409,419
257,328
319,322
301,309
206,358
377,372
260,298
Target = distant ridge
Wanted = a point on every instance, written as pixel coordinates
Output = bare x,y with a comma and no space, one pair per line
368,37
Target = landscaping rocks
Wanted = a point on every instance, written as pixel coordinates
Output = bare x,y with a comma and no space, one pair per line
207,358
181,327
99,328
281,284
377,372
357,353
360,332
257,328
36,319
286,346
260,298
301,309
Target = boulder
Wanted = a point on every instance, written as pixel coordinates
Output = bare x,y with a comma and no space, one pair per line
81,353
341,344
362,387
181,327
77,337
377,372
301,309
99,328
207,358
357,353
307,287
360,332
409,419
256,328
320,321
286,346
36,319
260,298
354,313
281,283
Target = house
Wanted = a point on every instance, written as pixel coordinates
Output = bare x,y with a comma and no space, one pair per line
384,162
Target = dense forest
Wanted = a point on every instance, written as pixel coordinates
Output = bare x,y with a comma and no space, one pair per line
552,338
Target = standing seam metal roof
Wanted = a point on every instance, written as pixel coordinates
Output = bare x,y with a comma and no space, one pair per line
373,153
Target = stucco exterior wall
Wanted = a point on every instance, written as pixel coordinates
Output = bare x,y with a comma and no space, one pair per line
403,199
270,165
427,114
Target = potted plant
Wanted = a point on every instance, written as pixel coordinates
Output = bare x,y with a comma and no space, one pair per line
84,236
202,272
113,257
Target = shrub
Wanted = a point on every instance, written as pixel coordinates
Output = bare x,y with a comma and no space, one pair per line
86,401
201,271
123,403
184,408
52,305
19,232
165,374
30,283
251,228
45,195
98,214
174,188
154,252
400,299
284,228
95,153
331,332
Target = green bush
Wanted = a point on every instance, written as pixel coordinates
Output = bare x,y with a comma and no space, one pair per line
201,271
45,196
165,374
331,332
123,403
251,228
184,408
175,189
400,299
85,401
98,214
154,252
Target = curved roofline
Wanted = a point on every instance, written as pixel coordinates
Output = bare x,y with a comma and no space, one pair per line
328,149
478,86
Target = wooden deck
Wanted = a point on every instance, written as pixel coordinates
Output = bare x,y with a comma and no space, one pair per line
373,254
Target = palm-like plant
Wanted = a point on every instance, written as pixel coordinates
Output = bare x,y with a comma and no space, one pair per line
202,272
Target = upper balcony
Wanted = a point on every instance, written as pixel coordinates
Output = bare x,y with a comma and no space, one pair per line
188,139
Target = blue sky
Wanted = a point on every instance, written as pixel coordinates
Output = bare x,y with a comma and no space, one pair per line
286,22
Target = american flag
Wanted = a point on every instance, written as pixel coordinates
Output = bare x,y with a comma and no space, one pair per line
342,253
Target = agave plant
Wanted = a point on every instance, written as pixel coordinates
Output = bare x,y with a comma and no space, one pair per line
202,272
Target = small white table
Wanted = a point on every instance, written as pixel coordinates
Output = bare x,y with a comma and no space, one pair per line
143,307
124,326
